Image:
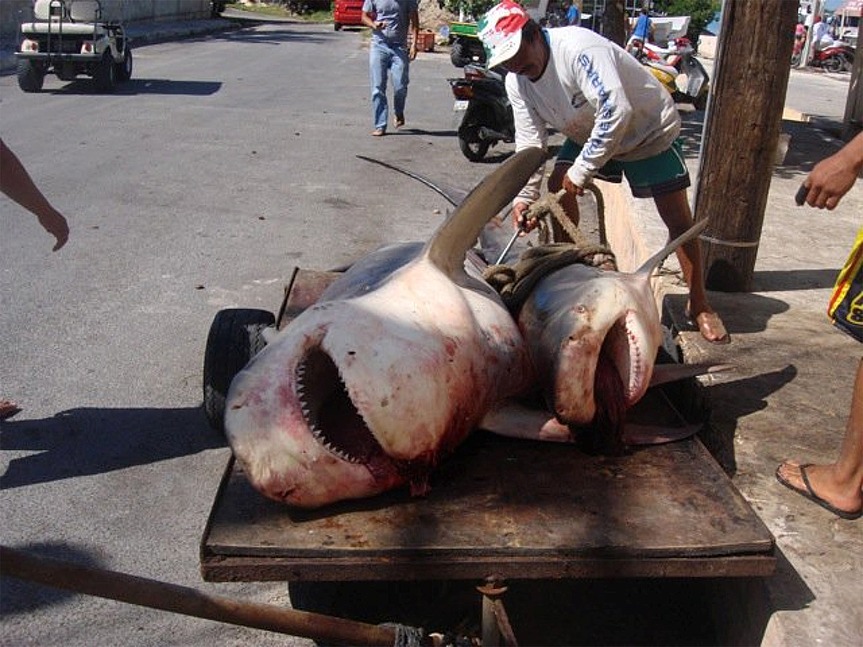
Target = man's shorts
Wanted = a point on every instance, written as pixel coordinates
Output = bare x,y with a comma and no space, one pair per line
648,178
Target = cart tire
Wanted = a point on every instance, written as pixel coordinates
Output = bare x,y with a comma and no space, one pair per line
337,26
30,76
236,336
123,71
459,54
105,74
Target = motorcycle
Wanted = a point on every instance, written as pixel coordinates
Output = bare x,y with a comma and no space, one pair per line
487,119
835,57
676,67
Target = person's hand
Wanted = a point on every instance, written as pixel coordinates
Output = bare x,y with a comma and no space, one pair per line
834,176
412,52
520,212
380,24
570,187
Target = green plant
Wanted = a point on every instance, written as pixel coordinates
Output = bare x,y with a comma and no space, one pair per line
475,8
700,12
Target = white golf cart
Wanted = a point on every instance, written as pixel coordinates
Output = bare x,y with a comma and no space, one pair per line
70,38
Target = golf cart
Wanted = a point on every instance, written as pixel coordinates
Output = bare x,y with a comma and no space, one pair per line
70,38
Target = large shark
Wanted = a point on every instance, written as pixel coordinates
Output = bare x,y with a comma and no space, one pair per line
392,368
593,335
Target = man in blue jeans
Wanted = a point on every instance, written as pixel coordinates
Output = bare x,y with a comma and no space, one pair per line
390,21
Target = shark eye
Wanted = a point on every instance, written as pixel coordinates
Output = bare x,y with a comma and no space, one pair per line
332,417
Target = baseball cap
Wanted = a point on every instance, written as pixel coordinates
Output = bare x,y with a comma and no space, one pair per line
500,31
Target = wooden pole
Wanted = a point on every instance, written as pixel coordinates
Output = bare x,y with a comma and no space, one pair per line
190,602
741,131
853,119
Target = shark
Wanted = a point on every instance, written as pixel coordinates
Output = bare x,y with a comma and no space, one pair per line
593,335
396,363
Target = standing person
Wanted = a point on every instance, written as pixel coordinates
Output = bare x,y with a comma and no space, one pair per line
573,14
389,54
16,183
618,120
837,486
641,33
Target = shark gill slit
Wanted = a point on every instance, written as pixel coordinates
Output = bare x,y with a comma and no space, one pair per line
330,414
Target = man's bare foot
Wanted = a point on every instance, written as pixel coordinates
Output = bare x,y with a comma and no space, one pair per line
8,409
710,326
819,484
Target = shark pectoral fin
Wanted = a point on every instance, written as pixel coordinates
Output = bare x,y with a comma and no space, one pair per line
519,421
665,373
635,434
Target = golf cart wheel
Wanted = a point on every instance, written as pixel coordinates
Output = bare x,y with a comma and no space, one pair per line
236,336
105,75
123,71
30,76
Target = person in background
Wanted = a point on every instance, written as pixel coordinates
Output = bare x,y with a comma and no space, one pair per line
573,14
17,184
838,486
641,33
390,55
617,118
821,37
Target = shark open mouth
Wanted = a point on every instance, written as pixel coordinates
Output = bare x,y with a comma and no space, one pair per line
330,414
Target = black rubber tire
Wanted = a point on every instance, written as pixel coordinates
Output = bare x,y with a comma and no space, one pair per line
476,117
236,336
337,26
474,151
459,54
834,64
105,76
123,71
30,76
700,102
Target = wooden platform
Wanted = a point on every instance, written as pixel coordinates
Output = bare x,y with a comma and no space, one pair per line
511,509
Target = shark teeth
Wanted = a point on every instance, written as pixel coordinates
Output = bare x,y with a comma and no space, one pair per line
330,414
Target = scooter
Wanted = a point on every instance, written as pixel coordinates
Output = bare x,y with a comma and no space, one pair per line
487,119
678,70
835,57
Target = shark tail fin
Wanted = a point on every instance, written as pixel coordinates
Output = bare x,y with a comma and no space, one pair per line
648,267
459,232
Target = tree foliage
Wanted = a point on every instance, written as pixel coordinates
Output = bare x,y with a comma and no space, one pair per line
701,13
475,8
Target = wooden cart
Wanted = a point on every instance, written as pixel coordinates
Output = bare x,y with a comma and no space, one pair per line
499,510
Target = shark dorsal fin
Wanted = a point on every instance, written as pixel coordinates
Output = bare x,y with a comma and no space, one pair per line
648,267
459,232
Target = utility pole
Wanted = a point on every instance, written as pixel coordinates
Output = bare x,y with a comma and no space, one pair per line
741,131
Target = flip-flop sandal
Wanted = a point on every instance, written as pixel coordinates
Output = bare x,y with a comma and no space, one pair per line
809,493
398,122
710,322
379,132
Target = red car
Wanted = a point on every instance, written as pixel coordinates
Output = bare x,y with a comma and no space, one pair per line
347,13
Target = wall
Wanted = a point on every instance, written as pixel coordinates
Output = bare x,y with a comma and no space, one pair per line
13,12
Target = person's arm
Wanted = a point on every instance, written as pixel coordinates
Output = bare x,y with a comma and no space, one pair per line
834,176
16,183
368,17
596,74
530,132
414,29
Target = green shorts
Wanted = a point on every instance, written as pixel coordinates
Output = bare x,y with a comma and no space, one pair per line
657,175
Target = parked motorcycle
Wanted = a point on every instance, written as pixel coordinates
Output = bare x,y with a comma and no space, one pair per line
487,119
836,57
676,67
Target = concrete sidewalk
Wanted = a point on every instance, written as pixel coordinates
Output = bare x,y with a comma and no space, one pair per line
789,396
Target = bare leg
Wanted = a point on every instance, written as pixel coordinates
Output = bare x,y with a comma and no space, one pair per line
839,483
675,213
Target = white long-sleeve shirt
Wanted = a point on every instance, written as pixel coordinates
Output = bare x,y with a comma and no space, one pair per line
598,95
